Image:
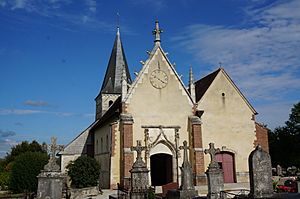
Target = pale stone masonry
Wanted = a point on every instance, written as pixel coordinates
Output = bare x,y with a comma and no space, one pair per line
159,109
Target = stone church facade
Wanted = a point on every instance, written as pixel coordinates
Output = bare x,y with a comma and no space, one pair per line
158,109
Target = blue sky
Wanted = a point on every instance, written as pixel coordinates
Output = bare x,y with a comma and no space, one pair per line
53,55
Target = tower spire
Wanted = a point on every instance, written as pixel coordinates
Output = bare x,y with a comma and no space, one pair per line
156,32
117,73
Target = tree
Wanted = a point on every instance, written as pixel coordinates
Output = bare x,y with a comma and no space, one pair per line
24,171
84,172
284,142
23,147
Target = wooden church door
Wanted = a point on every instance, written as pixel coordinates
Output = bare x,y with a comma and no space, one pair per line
226,162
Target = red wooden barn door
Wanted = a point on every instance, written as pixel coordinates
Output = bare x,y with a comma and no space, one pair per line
226,161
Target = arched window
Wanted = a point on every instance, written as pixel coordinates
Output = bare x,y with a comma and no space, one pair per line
110,102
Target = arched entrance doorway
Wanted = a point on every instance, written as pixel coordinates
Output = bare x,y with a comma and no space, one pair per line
226,162
161,169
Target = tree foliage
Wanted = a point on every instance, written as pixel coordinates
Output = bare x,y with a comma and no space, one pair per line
23,147
284,142
24,171
84,172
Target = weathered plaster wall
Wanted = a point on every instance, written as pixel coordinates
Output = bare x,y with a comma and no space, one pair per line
228,122
167,106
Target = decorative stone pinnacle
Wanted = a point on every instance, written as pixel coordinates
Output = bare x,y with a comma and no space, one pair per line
212,151
156,32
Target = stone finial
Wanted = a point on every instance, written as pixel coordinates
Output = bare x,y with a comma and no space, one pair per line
212,151
192,85
156,32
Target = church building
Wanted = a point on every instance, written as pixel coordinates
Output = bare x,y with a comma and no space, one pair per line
158,109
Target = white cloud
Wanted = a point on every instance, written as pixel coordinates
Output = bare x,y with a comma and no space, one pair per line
6,145
20,4
31,112
2,3
92,5
85,16
6,133
36,103
264,59
18,111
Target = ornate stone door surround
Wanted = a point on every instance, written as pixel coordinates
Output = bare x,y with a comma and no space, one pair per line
162,138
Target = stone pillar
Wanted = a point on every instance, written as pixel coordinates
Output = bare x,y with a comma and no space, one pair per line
126,153
50,184
197,156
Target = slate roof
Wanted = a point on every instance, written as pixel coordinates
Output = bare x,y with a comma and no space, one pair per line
112,80
203,84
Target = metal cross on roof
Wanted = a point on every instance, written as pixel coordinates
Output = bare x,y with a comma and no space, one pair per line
212,151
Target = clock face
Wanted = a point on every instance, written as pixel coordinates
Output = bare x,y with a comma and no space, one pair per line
158,79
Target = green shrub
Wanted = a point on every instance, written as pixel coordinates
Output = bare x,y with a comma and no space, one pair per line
84,172
24,171
4,180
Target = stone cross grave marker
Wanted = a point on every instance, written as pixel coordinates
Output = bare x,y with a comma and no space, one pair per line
212,151
139,174
214,174
50,180
138,148
186,170
53,148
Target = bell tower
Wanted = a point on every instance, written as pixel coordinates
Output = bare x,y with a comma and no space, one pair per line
117,73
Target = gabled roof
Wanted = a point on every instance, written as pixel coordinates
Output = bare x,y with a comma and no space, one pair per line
112,80
202,85
146,66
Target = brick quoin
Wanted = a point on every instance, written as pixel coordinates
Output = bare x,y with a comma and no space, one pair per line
196,142
261,137
127,155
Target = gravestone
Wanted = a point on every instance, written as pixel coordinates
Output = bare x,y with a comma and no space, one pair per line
187,189
214,174
279,170
260,171
50,180
139,174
